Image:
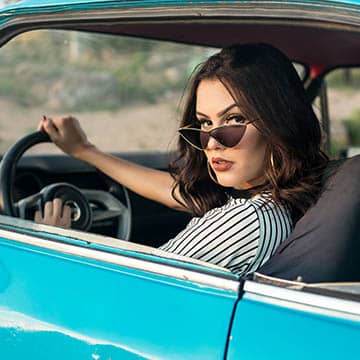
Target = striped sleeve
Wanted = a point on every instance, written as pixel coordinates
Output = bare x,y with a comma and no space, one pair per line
275,226
227,237
240,235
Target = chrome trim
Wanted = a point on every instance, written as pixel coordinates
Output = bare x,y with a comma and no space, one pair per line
203,279
270,9
313,13
303,301
102,240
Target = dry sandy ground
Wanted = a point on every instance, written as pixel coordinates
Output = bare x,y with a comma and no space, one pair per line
142,127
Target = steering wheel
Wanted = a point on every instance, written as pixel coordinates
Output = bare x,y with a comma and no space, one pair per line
82,216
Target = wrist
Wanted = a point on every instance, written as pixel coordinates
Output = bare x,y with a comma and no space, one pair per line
83,152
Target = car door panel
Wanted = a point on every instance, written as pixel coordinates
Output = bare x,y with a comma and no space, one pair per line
279,323
52,299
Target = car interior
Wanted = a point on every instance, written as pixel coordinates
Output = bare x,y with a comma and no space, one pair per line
328,233
131,126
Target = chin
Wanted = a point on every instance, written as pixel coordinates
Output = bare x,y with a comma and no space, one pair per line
228,181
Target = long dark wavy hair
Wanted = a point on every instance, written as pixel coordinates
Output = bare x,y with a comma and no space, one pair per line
268,90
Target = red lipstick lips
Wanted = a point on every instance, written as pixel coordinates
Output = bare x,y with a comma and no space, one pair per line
220,164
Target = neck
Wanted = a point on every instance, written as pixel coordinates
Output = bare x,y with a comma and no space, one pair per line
251,183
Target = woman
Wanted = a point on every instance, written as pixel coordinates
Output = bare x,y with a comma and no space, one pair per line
249,160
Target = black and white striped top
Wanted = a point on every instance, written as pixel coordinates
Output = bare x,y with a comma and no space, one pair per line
240,235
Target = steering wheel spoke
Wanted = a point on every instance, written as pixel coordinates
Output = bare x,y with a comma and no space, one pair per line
26,207
106,207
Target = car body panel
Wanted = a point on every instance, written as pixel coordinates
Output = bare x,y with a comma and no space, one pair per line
91,307
279,322
37,3
35,7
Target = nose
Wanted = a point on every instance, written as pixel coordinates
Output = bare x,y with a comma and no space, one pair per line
213,144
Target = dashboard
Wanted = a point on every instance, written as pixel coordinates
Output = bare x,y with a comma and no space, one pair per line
151,223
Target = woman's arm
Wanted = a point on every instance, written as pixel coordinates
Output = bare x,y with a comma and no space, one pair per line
68,135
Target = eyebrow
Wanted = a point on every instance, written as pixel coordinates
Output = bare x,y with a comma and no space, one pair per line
220,113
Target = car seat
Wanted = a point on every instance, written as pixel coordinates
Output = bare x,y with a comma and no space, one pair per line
325,243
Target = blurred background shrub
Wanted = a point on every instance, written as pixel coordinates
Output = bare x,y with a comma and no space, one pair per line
352,126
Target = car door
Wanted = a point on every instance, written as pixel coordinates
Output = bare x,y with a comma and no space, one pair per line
82,296
278,319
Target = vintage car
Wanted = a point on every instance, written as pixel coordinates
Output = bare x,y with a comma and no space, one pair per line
102,290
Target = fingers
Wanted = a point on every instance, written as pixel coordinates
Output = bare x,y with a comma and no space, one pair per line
48,210
41,124
38,216
54,214
49,126
66,216
56,208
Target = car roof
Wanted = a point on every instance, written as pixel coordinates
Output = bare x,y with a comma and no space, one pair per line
322,34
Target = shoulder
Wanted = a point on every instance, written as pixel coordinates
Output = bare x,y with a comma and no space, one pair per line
231,207
238,209
270,211
259,203
261,207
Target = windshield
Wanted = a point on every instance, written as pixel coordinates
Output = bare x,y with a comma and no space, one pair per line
126,91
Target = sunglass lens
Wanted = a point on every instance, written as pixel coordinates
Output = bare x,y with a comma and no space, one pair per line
228,136
204,139
192,136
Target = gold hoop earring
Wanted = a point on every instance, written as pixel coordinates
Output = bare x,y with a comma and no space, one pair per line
211,174
272,162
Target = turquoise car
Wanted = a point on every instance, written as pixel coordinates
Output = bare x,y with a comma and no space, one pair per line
103,290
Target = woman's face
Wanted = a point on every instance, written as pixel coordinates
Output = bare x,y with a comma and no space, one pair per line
241,166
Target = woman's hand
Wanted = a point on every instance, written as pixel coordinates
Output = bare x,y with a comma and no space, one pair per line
55,214
66,133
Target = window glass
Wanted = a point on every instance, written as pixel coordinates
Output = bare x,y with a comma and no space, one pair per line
125,91
344,111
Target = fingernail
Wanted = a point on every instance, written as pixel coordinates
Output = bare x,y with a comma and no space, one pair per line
44,117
